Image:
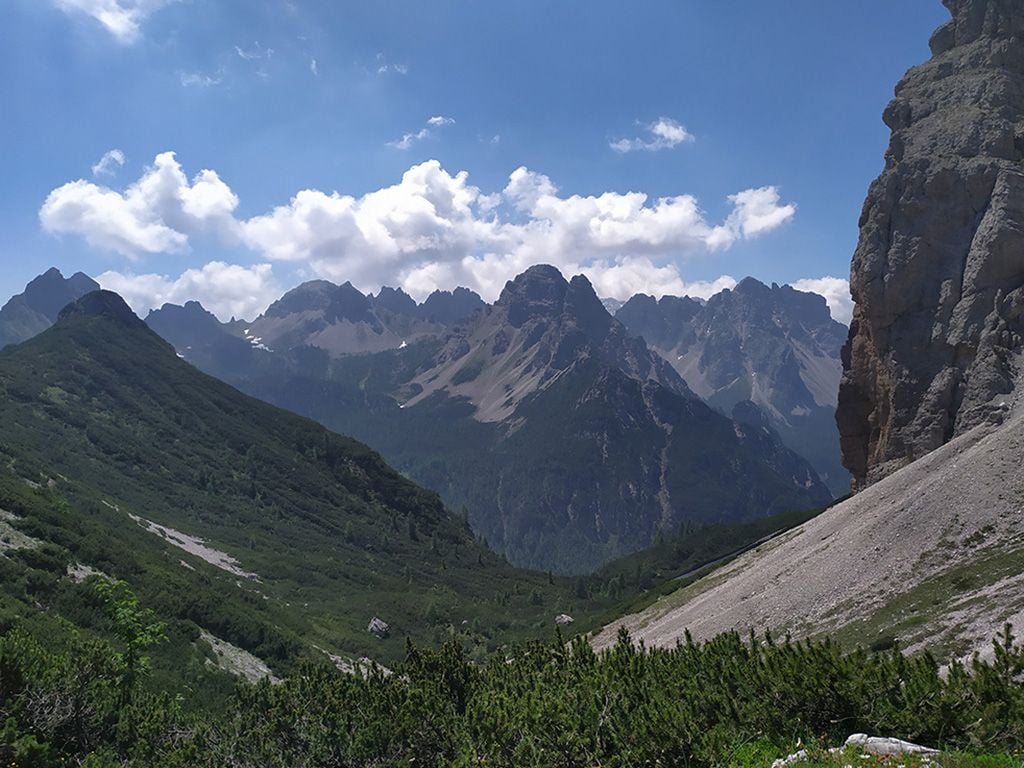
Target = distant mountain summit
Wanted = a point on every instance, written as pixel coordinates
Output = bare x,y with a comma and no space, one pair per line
539,327
774,346
38,307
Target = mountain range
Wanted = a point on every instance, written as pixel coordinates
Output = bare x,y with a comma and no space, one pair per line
567,440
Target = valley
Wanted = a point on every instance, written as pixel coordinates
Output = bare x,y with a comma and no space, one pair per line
325,454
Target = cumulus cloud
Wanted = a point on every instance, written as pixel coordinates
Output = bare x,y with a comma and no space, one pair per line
836,291
430,230
109,163
626,277
227,290
156,214
409,139
121,18
663,133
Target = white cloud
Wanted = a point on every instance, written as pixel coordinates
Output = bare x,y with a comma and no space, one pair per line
313,67
256,53
109,163
430,230
665,133
121,18
383,66
200,79
227,290
836,291
156,214
625,277
756,211
409,139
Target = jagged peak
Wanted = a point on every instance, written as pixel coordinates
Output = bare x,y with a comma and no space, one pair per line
540,290
751,286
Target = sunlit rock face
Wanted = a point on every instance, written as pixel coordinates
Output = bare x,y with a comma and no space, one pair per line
938,274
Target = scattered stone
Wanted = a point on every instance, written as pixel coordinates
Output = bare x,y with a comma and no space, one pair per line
879,746
237,661
564,619
79,572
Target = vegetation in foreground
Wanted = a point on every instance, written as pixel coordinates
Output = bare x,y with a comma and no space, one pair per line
728,701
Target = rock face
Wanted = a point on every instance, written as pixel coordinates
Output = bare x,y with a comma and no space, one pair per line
35,310
938,274
773,347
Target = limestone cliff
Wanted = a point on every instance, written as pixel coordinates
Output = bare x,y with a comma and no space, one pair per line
938,274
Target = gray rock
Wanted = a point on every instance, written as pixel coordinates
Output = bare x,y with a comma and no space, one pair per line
938,274
379,628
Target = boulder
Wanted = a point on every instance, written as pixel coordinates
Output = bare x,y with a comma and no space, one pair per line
381,629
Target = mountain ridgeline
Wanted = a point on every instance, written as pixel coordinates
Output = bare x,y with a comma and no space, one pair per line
564,437
775,348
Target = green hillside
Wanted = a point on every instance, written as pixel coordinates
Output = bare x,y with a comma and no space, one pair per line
317,533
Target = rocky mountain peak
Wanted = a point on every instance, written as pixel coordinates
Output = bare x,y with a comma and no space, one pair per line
937,277
451,306
50,292
314,295
36,309
539,291
396,300
349,303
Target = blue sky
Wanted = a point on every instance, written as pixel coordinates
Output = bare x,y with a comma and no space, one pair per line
429,144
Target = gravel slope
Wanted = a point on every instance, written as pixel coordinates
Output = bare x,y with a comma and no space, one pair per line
932,555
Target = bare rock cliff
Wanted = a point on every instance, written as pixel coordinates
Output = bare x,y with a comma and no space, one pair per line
938,274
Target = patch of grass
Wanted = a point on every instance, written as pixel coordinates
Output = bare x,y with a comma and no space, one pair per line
913,614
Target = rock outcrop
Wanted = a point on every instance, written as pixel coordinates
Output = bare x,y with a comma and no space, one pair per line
938,274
